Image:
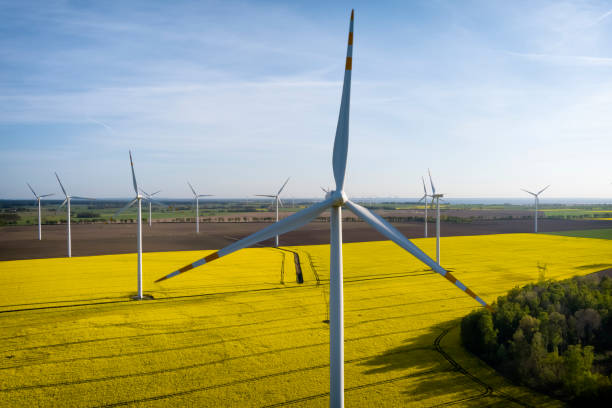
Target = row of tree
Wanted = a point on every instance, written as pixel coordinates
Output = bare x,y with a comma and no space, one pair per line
552,336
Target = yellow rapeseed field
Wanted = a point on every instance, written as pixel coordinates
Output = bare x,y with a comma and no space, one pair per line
231,334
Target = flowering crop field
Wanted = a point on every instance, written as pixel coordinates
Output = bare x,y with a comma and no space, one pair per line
241,332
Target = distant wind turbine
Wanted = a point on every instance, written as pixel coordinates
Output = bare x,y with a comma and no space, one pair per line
334,202
425,195
38,201
437,198
537,203
277,201
149,198
196,197
137,199
67,202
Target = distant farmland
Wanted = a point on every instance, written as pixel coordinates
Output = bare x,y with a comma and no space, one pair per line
232,333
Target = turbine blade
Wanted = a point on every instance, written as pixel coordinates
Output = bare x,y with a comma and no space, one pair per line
342,130
424,188
144,192
423,198
82,198
192,189
542,190
61,185
394,235
265,195
205,195
46,195
32,190
281,189
433,189
324,190
128,205
290,223
63,204
158,191
133,175
527,191
280,202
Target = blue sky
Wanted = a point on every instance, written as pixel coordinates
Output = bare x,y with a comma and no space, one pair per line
236,96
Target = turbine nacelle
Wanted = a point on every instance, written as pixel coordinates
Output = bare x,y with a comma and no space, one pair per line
339,198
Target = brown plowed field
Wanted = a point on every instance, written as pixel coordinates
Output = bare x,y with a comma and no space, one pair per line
20,242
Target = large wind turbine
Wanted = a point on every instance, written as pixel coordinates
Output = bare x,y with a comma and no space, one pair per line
67,202
197,200
149,198
137,199
437,198
38,201
425,195
537,203
277,201
334,202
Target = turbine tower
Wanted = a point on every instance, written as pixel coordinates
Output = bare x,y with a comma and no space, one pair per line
137,199
425,195
437,198
277,201
149,198
334,202
38,201
537,203
67,202
197,200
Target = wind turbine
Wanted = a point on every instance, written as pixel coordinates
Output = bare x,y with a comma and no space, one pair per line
137,199
67,202
149,198
537,202
334,202
197,200
425,195
38,200
277,201
437,198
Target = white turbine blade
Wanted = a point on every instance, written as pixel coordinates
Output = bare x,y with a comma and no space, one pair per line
82,198
46,195
265,195
61,185
158,191
423,198
290,223
128,205
433,189
133,175
145,193
342,130
424,188
32,190
527,191
62,204
205,195
542,190
281,189
280,202
324,190
192,189
394,235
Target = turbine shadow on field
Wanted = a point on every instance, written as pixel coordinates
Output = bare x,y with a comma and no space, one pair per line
441,366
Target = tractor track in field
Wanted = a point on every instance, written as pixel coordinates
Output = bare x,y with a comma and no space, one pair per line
218,361
488,390
199,295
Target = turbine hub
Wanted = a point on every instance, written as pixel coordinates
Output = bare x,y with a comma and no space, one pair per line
339,198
